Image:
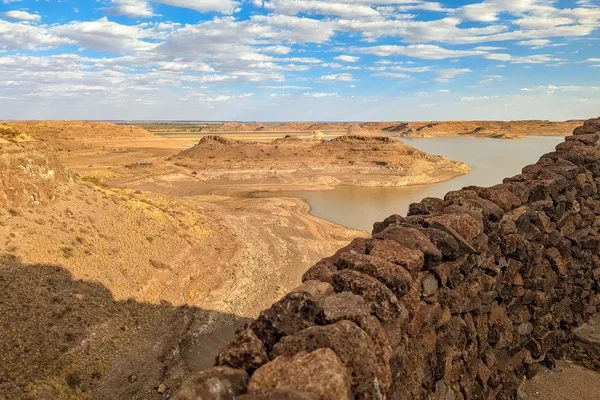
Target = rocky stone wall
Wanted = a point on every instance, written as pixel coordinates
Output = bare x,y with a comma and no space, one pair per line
461,299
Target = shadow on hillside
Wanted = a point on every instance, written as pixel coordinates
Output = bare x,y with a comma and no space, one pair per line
66,338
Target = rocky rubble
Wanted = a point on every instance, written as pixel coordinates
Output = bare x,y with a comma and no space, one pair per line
30,174
461,299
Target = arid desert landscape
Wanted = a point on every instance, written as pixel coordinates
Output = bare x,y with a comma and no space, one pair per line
130,257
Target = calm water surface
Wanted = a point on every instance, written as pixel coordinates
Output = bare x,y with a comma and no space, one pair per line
491,160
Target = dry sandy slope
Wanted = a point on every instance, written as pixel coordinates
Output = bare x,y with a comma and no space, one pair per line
68,268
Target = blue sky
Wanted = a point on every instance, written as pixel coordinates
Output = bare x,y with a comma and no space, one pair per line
278,60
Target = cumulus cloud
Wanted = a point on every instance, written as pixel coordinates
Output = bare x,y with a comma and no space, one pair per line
424,51
534,42
446,75
21,16
341,8
284,45
130,8
534,59
345,77
345,58
318,95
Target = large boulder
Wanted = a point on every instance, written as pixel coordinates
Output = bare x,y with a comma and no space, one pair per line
319,372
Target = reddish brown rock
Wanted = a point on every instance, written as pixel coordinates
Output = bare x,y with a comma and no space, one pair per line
589,126
321,271
447,243
464,224
556,260
464,247
394,252
379,297
344,305
288,316
389,221
219,383
392,275
351,344
502,197
319,372
382,348
246,352
413,239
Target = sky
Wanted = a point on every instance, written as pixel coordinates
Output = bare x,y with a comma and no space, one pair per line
299,60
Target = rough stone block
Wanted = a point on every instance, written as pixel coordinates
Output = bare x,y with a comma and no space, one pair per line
392,275
246,352
352,345
379,297
288,316
344,305
413,239
465,225
319,372
392,251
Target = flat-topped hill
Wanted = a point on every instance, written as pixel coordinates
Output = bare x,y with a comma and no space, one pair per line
502,129
354,150
75,129
353,159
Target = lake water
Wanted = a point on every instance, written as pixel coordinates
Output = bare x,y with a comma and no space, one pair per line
491,160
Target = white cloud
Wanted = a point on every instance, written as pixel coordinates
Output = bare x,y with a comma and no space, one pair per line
446,75
345,58
286,87
345,77
22,16
318,95
394,75
277,49
550,89
534,59
25,36
410,69
424,51
534,42
130,8
106,35
341,8
468,99
142,8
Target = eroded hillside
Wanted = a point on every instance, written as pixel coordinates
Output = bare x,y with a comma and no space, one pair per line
351,159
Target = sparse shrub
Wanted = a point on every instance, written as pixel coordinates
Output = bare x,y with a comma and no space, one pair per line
13,212
67,252
92,179
73,380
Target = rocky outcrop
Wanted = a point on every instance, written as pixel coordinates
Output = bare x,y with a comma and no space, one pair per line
29,174
461,299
